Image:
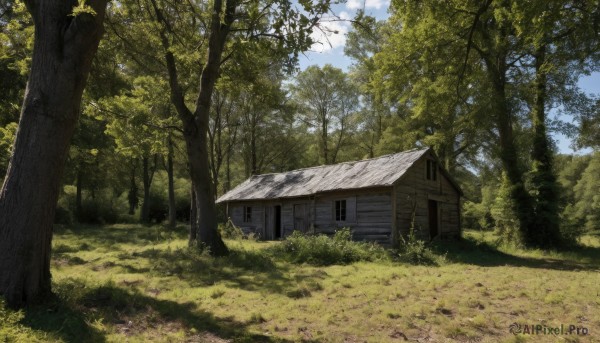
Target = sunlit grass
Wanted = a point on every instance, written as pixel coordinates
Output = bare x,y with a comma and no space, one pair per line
134,283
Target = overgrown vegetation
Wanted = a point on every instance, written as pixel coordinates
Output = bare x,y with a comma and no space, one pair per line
416,251
489,209
322,250
137,283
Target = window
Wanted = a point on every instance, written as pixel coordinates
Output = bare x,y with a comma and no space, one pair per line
247,214
340,210
431,170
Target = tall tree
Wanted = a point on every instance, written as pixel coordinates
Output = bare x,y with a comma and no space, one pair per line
327,100
490,56
240,24
67,34
362,43
561,39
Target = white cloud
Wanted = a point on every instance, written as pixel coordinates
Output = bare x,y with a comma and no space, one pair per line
330,35
358,4
345,15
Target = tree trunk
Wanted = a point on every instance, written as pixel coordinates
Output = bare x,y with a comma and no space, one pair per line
145,212
206,218
132,196
227,185
64,48
172,207
520,199
253,157
324,138
196,124
193,217
545,231
78,200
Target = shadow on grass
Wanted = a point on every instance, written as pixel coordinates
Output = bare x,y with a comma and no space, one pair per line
471,251
62,320
251,270
68,315
246,269
107,236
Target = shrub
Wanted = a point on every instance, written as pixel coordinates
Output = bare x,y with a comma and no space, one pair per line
415,251
97,211
476,216
326,250
230,231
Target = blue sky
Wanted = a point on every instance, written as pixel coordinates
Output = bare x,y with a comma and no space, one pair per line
331,51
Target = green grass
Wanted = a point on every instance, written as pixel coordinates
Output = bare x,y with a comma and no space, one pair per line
134,283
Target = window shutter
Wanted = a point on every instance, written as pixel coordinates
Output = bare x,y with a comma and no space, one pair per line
237,214
351,209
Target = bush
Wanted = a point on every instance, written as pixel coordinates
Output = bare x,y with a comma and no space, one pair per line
325,250
415,251
97,211
230,231
476,216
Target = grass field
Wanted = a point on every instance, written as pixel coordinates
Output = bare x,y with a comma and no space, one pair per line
129,283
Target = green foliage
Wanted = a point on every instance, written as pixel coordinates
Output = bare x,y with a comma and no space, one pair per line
328,103
324,250
159,203
10,325
82,8
7,137
586,209
476,216
578,194
16,45
100,207
507,224
413,250
98,211
228,230
545,189
136,118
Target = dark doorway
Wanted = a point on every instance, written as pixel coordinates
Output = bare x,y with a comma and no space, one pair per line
433,219
277,222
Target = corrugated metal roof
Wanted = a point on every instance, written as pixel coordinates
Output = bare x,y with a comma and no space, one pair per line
380,171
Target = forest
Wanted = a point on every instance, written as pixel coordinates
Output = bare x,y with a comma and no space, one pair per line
140,114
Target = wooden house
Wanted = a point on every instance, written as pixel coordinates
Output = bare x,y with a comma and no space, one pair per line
378,199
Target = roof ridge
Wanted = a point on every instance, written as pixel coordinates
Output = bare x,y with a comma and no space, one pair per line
337,164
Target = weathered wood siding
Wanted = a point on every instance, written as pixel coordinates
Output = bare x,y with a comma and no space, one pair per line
256,226
263,221
368,214
414,191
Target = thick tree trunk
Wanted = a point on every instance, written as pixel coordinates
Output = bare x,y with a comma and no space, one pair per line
206,219
545,231
193,217
172,207
64,48
521,201
78,200
145,212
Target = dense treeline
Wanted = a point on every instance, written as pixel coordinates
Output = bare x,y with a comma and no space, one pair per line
128,147
186,100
